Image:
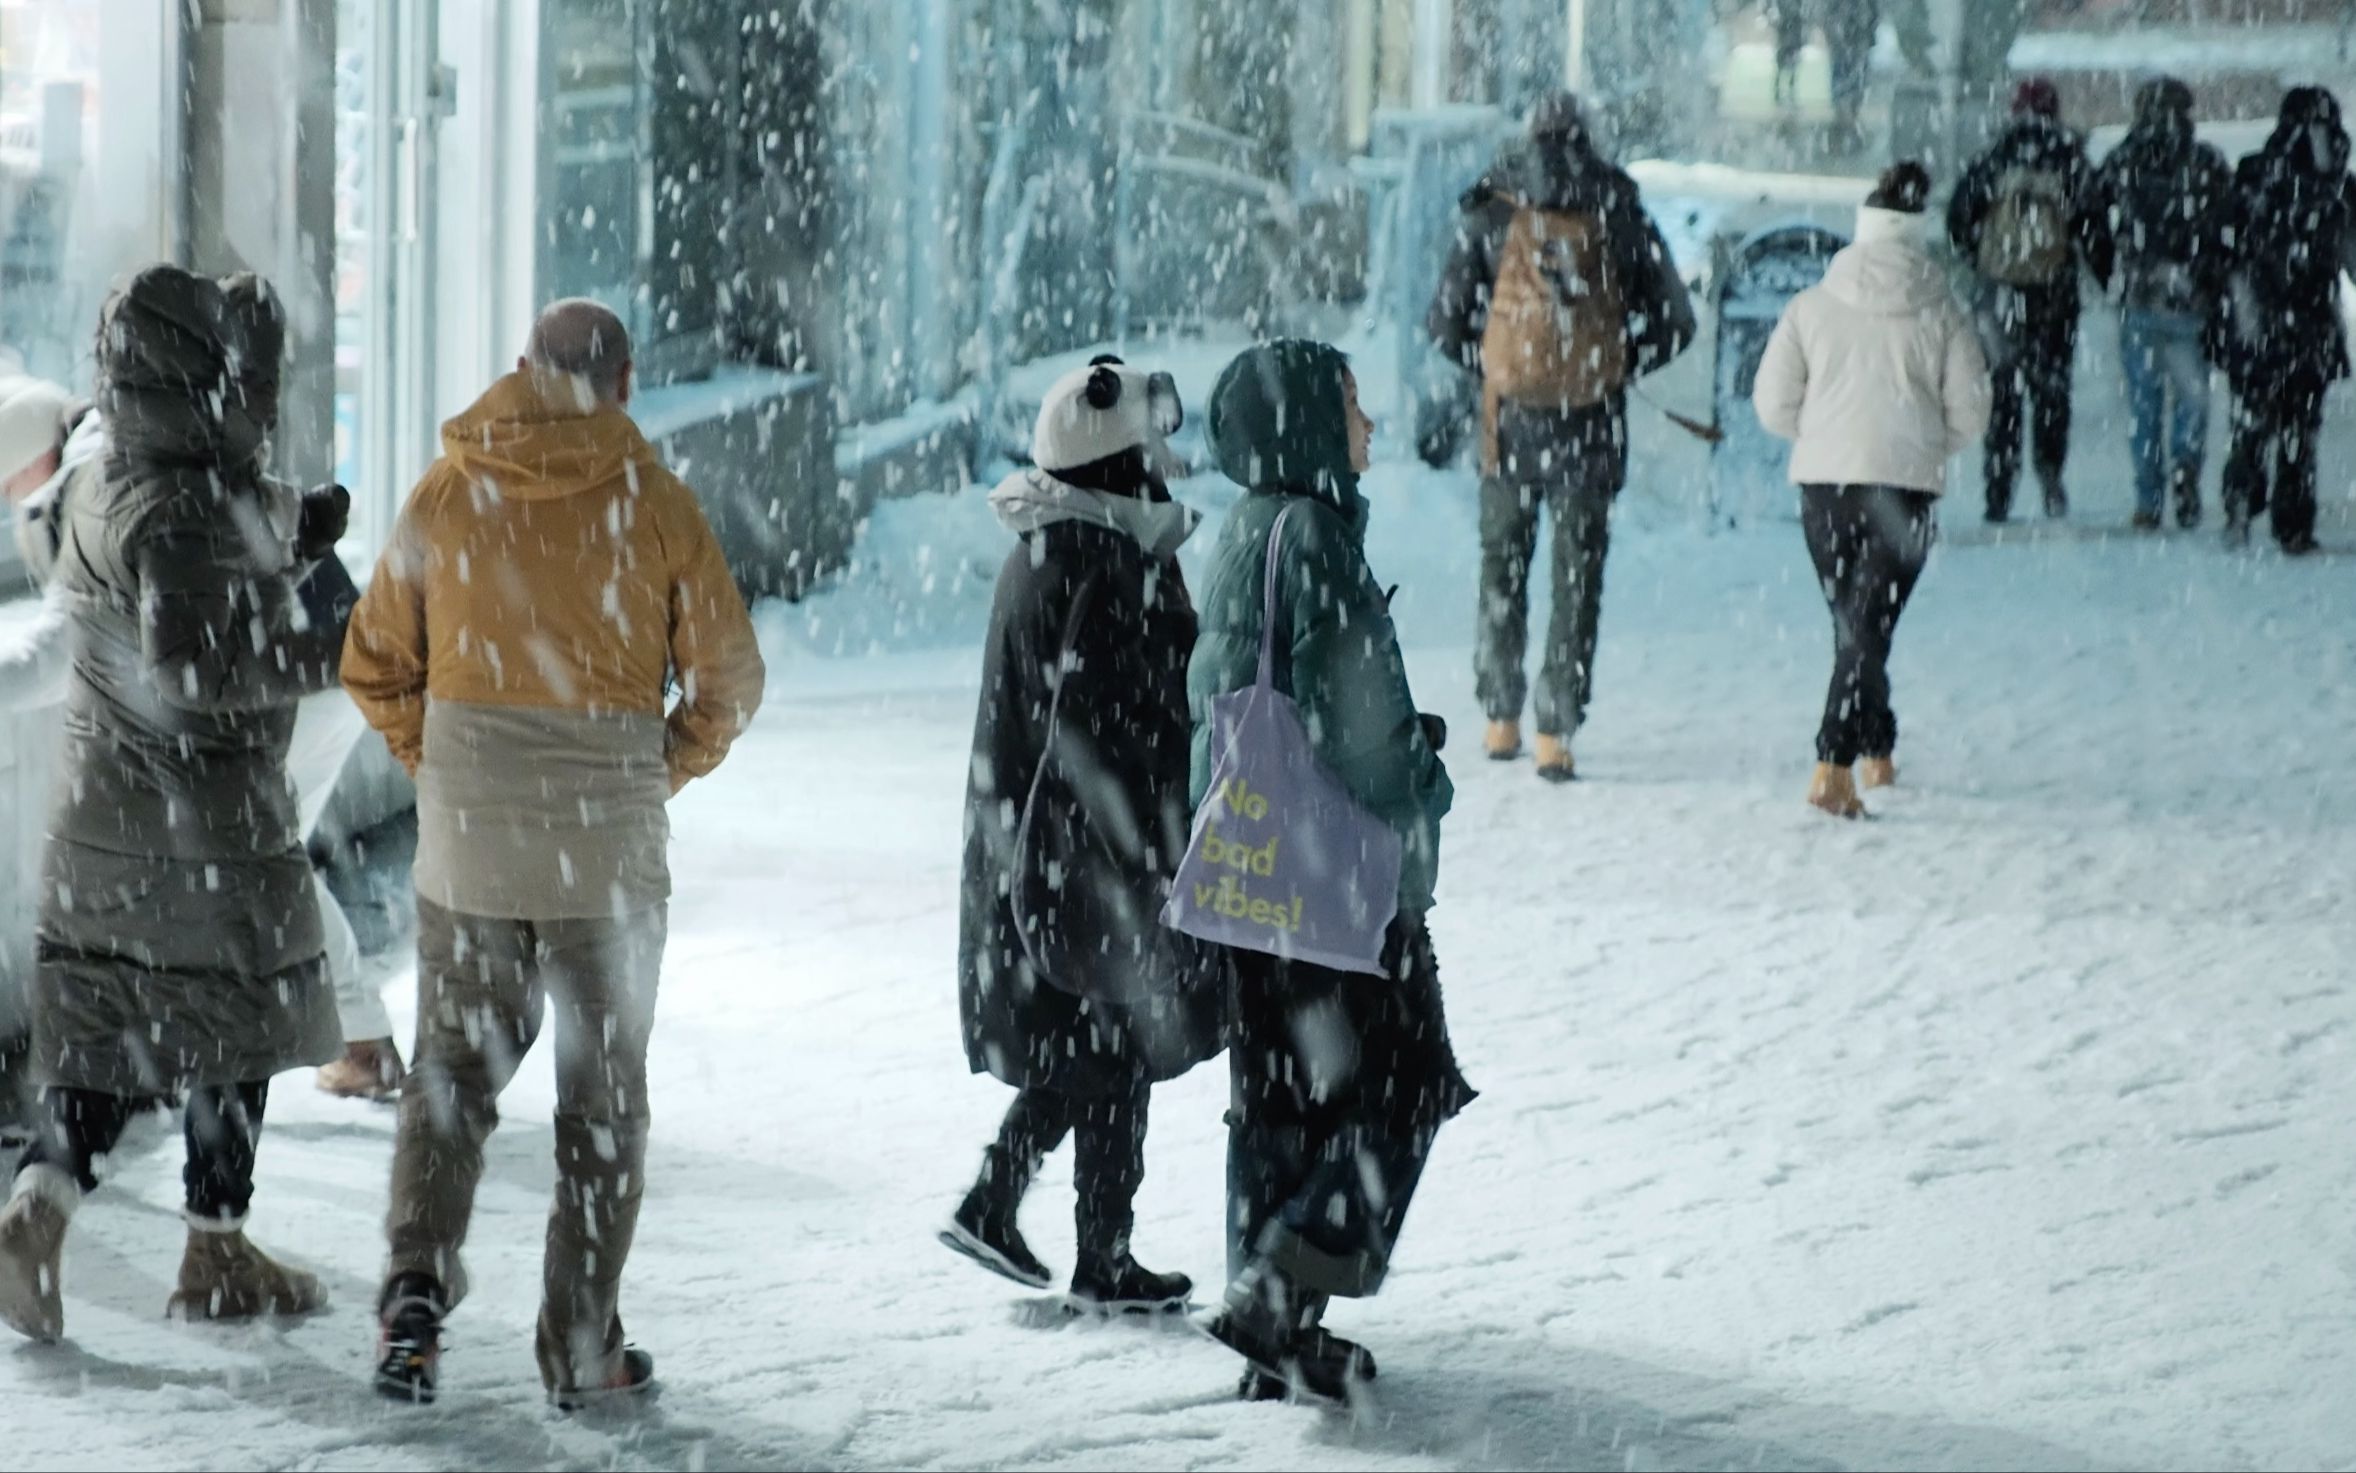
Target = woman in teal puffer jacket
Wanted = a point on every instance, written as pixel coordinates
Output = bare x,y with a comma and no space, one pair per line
1340,1081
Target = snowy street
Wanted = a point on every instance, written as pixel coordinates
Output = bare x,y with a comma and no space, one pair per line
2007,1131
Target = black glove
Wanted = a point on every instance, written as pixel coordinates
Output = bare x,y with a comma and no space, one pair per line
1435,730
326,516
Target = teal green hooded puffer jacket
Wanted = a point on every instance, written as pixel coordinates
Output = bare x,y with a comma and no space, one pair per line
1278,429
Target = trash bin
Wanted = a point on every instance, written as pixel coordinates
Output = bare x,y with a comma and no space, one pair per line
1748,468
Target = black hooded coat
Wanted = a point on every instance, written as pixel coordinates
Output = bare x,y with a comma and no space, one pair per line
1077,809
2165,200
2293,230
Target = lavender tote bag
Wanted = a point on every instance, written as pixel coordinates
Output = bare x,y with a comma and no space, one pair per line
1283,860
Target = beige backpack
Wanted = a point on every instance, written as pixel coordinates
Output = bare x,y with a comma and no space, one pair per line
1557,335
2025,240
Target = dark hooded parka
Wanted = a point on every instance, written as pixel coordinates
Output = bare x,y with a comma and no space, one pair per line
2293,207
2164,200
2279,336
1557,169
179,939
1339,1080
1076,805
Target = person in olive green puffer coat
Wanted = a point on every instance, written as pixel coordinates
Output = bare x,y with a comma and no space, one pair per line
1338,1081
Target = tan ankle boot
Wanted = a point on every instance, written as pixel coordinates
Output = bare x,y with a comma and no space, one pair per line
1877,772
223,1276
1835,791
1504,741
32,1247
1554,759
367,1071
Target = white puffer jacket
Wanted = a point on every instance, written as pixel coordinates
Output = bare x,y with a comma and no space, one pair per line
1875,373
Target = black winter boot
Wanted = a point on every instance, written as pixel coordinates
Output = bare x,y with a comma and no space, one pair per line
2187,483
984,1228
1260,1321
2057,500
1117,1284
409,1339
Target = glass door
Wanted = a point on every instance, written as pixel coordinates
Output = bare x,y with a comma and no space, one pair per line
391,93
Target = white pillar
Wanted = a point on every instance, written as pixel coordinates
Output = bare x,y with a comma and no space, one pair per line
1435,52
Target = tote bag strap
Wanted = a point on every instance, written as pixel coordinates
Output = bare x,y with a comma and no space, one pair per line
1267,679
1022,833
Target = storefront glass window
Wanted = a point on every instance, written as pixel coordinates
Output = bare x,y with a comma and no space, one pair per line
49,101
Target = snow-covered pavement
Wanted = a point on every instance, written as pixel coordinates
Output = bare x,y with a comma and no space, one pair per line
2012,1130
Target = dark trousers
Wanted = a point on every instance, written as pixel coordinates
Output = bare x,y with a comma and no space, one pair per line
1570,467
222,1123
2032,339
2276,430
1849,32
1340,1082
1108,1157
1869,544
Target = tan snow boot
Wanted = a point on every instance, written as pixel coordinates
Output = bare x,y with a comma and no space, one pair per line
368,1071
1877,772
1504,741
1554,759
223,1276
32,1245
1835,791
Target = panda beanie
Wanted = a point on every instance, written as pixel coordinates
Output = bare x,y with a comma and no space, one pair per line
1094,456
1107,409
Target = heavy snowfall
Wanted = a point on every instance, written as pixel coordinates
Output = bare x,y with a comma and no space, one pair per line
1990,1117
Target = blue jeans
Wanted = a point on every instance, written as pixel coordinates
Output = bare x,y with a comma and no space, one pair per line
2168,404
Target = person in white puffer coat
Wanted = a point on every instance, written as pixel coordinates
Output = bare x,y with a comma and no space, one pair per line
1876,376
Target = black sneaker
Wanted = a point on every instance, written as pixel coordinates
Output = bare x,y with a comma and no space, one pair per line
2057,503
2147,521
1109,1286
2299,544
996,1244
633,1378
409,1340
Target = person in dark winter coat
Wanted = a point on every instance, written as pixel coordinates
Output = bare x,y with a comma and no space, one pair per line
179,942
2165,199
2026,217
1877,378
1559,293
2278,332
1338,1086
1850,29
1076,816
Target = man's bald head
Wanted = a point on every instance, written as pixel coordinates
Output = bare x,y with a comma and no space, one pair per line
582,345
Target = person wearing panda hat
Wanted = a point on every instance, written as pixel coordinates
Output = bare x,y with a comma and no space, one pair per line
1077,813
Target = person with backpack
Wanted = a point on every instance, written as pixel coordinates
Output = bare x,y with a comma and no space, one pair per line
1559,293
1876,376
2025,216
1076,814
2278,328
2165,202
1340,1081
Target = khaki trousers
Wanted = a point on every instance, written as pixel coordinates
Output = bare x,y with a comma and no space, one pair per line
483,986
